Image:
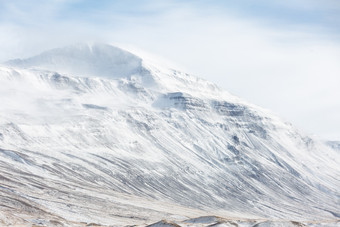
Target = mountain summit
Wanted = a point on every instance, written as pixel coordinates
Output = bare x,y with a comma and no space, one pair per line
94,134
84,60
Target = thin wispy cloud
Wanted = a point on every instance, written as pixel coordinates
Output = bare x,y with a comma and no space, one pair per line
282,55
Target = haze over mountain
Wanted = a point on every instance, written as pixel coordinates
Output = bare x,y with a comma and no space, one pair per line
95,134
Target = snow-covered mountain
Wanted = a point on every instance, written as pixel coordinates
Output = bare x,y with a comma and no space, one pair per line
93,133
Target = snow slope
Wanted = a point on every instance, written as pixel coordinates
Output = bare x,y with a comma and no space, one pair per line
92,133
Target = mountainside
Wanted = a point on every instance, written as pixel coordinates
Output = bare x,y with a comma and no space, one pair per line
92,133
334,144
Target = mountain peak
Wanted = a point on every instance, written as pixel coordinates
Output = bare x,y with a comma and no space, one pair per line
83,59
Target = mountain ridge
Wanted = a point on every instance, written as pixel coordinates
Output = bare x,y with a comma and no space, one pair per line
84,60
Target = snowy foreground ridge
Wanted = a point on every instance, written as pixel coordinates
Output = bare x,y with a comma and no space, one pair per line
95,134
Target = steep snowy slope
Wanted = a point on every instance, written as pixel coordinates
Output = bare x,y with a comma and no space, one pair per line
92,133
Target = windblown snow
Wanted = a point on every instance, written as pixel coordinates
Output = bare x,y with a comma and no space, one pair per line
95,134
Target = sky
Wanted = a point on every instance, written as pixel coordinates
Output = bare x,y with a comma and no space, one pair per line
283,55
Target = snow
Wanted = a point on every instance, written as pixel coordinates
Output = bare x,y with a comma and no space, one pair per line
92,133
333,144
84,60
